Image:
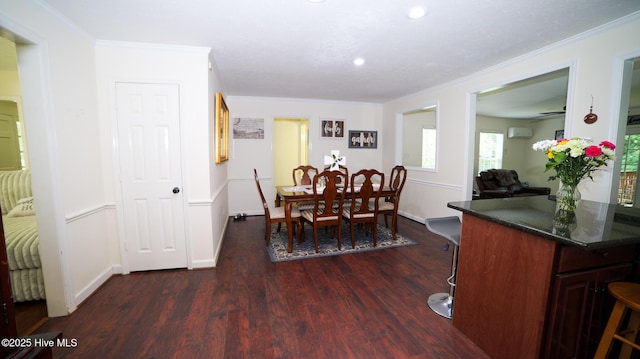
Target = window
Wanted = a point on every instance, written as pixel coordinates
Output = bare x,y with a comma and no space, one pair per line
629,170
429,148
490,150
418,138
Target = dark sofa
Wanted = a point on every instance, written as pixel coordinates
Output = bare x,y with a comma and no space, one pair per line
501,183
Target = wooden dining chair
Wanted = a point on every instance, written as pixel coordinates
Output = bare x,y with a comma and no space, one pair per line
342,169
389,206
327,209
277,215
365,187
303,176
345,171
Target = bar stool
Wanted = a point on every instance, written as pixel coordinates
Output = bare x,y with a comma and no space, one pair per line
449,228
627,297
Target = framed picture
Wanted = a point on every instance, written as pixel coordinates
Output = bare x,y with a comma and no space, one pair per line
248,128
222,129
633,120
363,139
331,128
559,134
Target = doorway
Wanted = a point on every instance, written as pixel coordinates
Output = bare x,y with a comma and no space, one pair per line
628,138
537,104
29,307
290,148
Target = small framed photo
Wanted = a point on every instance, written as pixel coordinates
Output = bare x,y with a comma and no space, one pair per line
331,128
633,120
363,139
559,134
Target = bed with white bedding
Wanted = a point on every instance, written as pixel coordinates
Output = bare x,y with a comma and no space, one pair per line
21,235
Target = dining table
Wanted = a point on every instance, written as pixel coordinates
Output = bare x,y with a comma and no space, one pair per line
289,195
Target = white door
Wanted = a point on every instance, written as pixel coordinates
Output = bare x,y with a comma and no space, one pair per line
150,175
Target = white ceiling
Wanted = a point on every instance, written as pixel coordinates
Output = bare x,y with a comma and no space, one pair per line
299,49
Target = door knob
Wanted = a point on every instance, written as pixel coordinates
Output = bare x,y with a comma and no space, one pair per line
176,190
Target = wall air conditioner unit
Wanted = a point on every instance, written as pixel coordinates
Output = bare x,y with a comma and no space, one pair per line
520,132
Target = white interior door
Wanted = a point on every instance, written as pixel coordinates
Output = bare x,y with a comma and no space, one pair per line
150,175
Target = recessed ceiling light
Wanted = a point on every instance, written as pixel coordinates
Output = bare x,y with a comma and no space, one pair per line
358,61
316,1
416,12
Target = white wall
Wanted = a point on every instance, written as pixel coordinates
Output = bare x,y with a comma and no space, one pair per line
542,130
71,146
57,75
594,61
245,155
204,183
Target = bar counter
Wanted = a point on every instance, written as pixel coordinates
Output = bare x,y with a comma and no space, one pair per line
597,225
531,286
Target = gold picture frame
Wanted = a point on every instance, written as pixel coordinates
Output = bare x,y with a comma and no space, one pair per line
222,129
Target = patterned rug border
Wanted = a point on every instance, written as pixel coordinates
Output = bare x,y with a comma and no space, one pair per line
327,246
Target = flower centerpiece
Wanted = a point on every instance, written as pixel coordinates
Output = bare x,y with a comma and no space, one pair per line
335,160
573,159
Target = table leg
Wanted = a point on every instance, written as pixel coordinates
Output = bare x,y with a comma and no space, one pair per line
287,214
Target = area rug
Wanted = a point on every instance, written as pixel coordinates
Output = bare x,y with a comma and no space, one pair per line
328,246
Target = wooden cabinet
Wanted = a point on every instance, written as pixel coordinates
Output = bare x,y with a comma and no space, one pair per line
580,308
580,304
519,295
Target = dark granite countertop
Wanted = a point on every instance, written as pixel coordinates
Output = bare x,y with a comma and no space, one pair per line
596,225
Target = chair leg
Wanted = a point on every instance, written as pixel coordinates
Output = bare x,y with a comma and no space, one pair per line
300,231
633,325
267,233
315,236
610,330
386,224
394,225
374,232
353,242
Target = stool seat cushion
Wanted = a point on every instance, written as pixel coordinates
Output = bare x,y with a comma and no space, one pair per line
628,293
447,227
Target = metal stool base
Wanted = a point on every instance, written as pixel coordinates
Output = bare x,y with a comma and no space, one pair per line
442,304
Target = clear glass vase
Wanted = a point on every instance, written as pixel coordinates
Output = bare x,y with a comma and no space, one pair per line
567,197
564,220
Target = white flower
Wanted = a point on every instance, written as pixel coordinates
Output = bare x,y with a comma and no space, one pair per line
575,150
544,145
609,153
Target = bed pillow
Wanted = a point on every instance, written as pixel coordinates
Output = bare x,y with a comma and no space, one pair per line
24,207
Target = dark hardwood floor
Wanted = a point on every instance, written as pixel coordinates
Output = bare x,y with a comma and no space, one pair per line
366,305
30,316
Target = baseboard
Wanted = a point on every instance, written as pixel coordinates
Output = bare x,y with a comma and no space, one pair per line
411,217
201,264
86,292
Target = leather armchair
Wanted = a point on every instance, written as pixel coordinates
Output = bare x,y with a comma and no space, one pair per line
498,183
